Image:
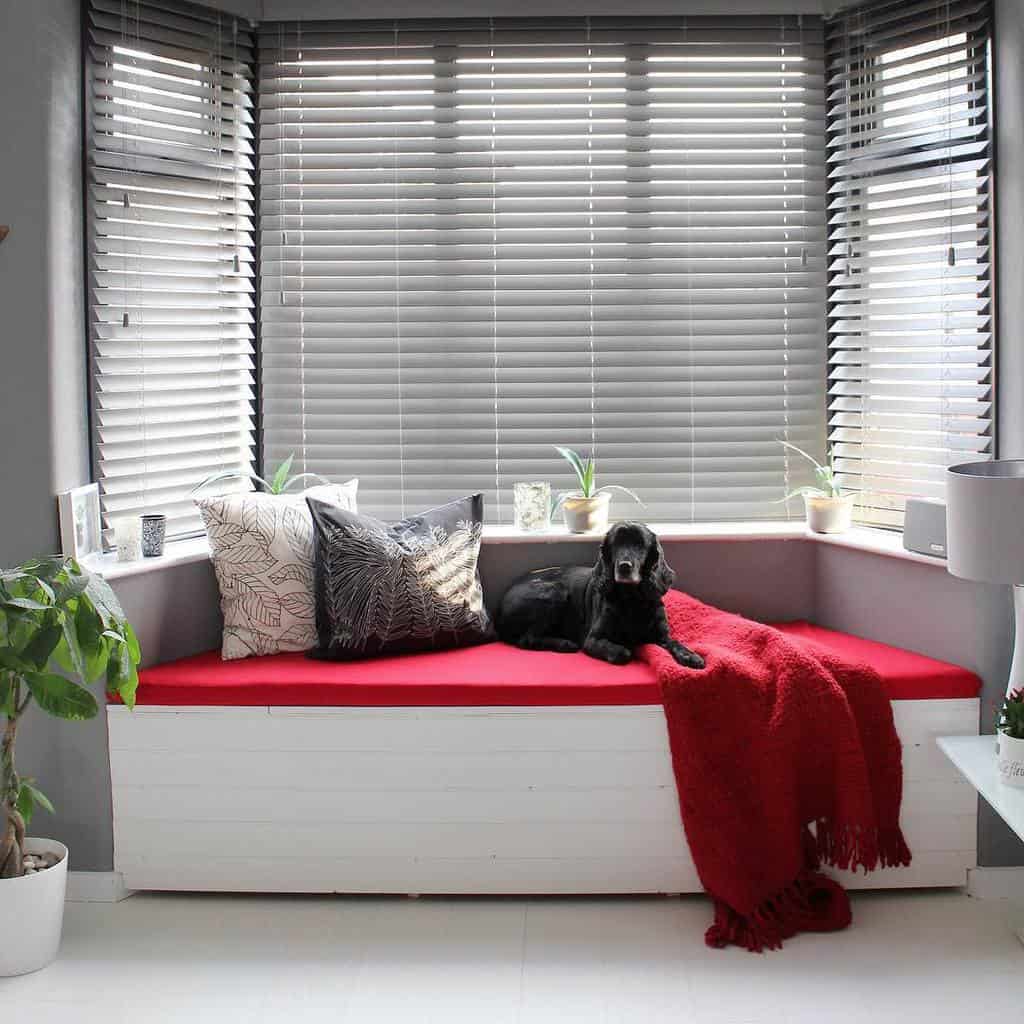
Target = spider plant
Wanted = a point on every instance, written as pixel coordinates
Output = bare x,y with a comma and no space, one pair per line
585,475
281,482
827,487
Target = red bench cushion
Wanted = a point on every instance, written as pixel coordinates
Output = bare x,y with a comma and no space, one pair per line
491,675
908,676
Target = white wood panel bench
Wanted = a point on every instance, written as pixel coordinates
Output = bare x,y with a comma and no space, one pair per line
484,796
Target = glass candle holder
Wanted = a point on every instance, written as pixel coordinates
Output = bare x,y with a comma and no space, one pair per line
128,539
532,505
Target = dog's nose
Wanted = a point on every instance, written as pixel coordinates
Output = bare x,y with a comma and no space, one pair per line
625,568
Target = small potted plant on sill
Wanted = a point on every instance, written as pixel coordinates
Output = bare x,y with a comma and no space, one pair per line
1010,739
586,510
280,483
61,628
828,510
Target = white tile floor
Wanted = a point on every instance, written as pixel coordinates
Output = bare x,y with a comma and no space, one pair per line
929,957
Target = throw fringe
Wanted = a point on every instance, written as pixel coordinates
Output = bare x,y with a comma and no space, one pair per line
812,902
853,846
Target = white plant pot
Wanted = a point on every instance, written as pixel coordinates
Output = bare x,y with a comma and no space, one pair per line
586,515
34,907
829,515
1010,759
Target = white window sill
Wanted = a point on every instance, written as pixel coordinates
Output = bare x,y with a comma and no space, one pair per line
860,538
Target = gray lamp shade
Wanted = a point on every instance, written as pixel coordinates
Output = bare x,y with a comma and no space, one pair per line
985,520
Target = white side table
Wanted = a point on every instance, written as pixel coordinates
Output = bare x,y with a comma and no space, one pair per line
975,759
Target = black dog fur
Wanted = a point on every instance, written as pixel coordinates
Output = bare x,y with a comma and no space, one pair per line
608,611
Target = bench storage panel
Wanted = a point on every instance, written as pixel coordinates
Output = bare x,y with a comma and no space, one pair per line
530,799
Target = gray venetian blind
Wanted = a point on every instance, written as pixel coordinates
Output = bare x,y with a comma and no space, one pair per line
910,305
480,239
171,258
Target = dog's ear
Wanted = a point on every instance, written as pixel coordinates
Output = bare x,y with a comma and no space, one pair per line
603,571
660,572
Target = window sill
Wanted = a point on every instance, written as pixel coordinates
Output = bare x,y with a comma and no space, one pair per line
860,538
179,552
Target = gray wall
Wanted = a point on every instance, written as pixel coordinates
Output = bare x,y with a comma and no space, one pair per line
42,372
42,422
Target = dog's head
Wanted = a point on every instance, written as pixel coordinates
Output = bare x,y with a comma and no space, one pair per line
631,554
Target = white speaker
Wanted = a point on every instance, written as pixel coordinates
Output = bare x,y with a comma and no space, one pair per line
924,527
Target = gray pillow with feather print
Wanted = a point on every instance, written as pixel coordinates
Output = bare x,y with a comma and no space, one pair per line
393,589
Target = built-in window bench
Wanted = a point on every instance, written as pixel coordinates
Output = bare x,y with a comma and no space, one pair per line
483,770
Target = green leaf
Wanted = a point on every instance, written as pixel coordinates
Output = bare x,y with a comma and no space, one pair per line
68,654
26,603
29,797
61,697
104,601
13,662
588,478
75,586
802,492
295,480
216,478
624,490
281,476
41,798
133,643
810,458
40,647
24,803
122,676
575,461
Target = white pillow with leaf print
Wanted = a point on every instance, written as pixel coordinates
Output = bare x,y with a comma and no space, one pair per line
262,547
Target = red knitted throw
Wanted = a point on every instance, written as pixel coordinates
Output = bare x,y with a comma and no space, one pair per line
771,737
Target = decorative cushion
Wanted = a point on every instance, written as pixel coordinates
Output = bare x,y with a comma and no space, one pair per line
413,586
262,548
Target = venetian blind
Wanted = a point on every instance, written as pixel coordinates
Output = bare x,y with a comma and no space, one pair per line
171,260
910,306
483,238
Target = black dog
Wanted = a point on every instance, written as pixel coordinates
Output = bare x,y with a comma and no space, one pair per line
608,610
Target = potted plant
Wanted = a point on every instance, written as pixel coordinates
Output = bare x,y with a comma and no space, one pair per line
1010,739
586,509
280,483
828,510
61,628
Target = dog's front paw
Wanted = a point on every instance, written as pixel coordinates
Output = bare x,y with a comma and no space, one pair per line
605,650
687,658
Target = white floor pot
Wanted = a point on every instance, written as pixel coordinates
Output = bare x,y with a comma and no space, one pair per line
586,515
829,515
32,908
1010,759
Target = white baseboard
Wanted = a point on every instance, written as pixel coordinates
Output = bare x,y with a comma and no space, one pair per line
996,884
96,887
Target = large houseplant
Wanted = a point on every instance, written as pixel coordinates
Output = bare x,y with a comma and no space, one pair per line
61,629
586,509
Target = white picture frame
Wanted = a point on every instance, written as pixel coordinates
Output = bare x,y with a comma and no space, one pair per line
81,535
